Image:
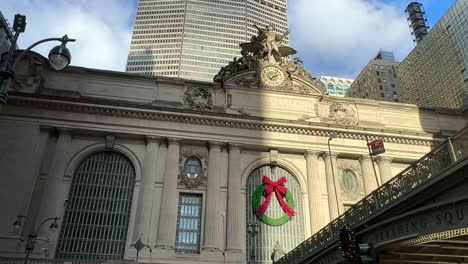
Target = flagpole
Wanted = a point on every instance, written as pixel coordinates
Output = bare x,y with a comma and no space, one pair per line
372,160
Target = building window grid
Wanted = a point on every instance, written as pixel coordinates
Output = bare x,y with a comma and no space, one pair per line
189,223
98,209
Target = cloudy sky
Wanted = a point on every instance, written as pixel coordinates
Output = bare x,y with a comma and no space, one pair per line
333,37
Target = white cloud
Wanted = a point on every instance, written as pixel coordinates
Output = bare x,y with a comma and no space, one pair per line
339,37
333,37
102,28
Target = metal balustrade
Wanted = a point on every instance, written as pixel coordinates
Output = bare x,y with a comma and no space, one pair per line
431,165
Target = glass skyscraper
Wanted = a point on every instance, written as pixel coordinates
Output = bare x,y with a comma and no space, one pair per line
435,75
192,39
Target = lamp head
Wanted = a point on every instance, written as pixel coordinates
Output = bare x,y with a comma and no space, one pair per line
59,57
54,226
333,135
17,225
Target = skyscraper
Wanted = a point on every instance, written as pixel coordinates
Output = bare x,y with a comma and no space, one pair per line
438,64
193,39
378,79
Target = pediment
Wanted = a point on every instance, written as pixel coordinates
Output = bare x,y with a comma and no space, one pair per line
296,83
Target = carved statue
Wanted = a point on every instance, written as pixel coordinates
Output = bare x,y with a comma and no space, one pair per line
270,41
277,253
266,47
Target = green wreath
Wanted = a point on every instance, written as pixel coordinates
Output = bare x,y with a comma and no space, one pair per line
256,201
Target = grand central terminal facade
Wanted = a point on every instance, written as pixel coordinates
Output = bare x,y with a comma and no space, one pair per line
243,168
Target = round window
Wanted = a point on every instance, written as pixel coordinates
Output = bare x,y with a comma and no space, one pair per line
349,181
193,168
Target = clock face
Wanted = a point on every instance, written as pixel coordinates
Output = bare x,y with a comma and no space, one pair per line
272,76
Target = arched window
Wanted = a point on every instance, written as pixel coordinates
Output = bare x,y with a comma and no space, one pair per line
97,213
192,167
349,181
288,235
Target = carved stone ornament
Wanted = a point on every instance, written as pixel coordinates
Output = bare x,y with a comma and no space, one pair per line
343,114
29,75
192,180
197,98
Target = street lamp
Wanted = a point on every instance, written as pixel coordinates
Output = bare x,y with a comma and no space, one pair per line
330,138
32,237
252,229
59,56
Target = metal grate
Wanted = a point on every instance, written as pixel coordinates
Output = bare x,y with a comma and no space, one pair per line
288,235
189,223
98,209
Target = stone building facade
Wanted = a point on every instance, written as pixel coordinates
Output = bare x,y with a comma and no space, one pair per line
178,164
378,80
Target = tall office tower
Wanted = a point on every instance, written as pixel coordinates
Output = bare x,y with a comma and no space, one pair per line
335,85
435,73
417,21
192,39
378,79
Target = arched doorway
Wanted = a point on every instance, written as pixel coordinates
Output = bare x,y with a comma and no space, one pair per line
97,213
289,234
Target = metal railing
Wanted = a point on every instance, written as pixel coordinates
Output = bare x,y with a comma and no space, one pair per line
428,167
17,260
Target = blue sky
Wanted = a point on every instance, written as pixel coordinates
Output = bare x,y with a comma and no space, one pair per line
333,37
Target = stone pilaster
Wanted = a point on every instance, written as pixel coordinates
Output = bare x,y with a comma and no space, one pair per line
53,200
335,203
385,168
145,201
212,213
317,215
368,175
157,193
169,200
234,221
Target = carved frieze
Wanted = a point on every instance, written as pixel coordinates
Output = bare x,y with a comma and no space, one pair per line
30,76
197,98
343,114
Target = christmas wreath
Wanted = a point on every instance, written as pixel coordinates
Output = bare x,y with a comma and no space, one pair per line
283,195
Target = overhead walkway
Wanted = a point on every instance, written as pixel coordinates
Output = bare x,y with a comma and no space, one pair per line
419,216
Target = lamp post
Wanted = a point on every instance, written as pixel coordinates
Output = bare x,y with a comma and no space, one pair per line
252,229
59,56
32,237
332,136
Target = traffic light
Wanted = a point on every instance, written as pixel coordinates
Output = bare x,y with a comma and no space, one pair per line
19,24
366,253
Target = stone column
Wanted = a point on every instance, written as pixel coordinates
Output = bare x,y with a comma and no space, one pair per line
169,201
385,168
212,214
368,176
234,225
335,204
315,191
145,201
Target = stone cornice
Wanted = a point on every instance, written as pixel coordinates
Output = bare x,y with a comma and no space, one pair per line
223,120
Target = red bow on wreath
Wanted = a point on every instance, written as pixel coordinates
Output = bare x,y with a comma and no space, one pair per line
280,191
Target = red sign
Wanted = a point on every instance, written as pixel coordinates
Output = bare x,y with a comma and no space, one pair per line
377,147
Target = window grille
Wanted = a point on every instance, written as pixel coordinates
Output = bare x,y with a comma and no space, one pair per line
288,235
97,213
349,181
188,223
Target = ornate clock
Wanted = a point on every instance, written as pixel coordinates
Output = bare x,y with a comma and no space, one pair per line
272,76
